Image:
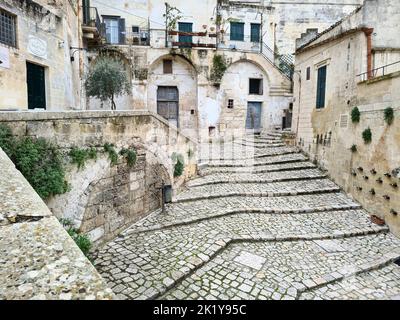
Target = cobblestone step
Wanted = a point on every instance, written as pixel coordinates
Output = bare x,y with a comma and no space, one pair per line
259,169
145,265
283,270
198,210
290,158
258,190
235,177
259,145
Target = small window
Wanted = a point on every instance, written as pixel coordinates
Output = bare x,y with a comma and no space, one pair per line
230,104
256,86
255,32
308,73
167,66
237,31
321,87
8,29
135,29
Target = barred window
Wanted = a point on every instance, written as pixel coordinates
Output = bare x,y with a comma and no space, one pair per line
8,34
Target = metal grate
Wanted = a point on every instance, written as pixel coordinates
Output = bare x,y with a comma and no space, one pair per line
8,34
344,120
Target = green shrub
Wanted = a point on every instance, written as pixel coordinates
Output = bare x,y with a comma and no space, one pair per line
219,67
7,140
355,115
367,135
353,148
41,164
179,166
389,115
80,156
130,156
81,240
112,154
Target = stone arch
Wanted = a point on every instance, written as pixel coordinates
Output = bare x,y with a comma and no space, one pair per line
184,77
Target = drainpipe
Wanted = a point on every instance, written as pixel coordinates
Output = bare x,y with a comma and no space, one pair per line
368,33
299,103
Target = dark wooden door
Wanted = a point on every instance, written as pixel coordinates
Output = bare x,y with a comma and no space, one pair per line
253,120
185,27
168,104
35,78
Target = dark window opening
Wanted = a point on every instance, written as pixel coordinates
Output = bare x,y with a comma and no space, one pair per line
135,29
192,112
397,261
167,66
321,87
230,104
256,86
237,31
308,73
8,29
255,32
115,29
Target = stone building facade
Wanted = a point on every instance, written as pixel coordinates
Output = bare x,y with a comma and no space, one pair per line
354,64
255,40
36,70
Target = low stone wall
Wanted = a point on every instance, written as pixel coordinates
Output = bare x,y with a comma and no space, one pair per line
104,199
39,260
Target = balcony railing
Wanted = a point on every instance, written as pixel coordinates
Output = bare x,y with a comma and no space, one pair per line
127,36
379,72
92,22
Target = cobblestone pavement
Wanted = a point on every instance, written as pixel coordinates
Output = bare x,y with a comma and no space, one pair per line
268,227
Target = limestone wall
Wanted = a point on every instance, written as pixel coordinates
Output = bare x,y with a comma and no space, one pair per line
328,134
39,260
45,34
105,199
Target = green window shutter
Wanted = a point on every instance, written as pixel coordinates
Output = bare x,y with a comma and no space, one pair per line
185,27
321,87
237,31
255,32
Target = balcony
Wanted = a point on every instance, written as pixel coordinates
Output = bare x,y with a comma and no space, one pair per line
133,36
380,73
184,39
92,28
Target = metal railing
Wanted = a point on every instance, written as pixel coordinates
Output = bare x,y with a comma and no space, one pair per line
91,17
379,72
127,36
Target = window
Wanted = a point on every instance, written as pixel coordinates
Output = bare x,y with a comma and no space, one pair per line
185,27
115,30
8,29
135,29
168,104
167,66
237,31
256,86
255,32
230,104
308,73
321,87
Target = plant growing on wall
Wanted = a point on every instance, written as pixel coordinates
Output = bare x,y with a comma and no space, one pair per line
81,240
112,154
389,115
39,161
130,156
179,164
172,15
355,115
353,148
219,67
107,79
80,156
367,135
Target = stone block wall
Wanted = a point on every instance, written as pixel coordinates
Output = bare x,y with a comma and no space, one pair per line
104,199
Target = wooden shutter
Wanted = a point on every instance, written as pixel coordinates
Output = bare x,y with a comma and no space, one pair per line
321,87
121,31
167,66
237,31
255,32
185,27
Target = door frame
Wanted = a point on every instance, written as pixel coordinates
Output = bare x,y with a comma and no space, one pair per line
46,83
258,130
177,102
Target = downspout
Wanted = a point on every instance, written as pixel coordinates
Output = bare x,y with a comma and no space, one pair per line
368,33
299,104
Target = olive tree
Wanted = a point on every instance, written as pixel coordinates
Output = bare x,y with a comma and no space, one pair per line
107,79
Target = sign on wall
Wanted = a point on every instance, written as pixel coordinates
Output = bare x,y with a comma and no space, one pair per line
37,47
4,58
